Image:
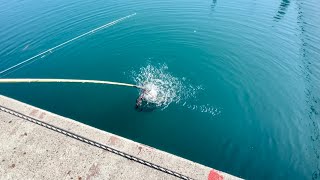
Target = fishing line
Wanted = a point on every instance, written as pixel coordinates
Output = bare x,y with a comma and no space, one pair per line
67,42
67,81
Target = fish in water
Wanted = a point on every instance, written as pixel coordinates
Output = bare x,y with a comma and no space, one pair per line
144,101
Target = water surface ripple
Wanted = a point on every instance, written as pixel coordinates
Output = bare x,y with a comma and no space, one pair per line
255,64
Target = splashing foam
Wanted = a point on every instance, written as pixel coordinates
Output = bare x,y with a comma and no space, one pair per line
162,89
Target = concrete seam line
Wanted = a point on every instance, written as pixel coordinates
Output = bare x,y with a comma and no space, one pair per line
92,143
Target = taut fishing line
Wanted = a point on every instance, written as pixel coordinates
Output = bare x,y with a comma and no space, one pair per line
44,53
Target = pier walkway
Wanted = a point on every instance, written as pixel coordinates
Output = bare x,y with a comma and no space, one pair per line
37,144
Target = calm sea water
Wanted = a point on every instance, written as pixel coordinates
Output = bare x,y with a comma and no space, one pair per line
257,61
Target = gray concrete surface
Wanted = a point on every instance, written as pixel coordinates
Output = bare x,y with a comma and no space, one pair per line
31,151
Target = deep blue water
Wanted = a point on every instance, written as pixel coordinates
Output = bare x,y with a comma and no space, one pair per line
255,61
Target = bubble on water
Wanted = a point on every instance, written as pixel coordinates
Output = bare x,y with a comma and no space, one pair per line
208,109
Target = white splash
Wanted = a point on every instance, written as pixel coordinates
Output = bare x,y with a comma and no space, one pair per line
162,89
151,93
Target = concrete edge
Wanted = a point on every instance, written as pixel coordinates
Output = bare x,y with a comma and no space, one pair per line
141,151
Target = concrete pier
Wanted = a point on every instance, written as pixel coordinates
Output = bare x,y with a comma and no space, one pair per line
37,144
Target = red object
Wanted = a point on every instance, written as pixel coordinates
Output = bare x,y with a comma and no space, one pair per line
214,175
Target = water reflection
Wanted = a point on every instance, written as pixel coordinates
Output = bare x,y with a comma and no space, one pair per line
282,10
311,93
213,4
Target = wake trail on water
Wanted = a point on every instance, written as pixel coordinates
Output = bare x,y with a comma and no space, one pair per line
162,89
44,53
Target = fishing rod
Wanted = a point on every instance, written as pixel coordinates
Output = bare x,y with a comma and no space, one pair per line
67,81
